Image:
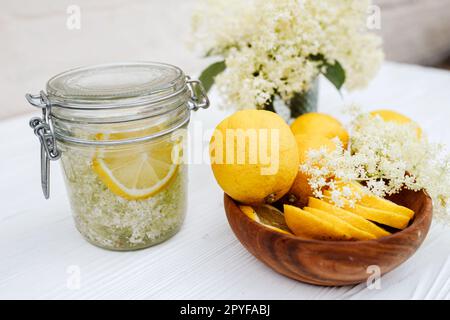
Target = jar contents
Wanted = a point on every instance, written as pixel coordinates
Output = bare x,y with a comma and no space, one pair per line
120,132
126,198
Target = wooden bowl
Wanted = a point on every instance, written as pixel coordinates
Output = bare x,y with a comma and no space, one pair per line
333,263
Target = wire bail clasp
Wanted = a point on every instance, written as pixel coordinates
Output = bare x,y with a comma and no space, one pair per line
199,98
43,129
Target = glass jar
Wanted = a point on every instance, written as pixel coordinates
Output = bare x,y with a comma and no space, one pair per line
120,132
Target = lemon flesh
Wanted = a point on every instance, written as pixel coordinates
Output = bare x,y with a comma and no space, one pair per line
372,201
308,225
355,233
387,218
138,173
354,219
267,216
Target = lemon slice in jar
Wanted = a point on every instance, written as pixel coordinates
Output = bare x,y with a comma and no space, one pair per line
137,172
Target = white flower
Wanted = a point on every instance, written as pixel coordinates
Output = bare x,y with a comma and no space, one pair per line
346,192
268,45
387,157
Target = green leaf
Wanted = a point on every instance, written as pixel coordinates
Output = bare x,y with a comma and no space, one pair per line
336,74
209,74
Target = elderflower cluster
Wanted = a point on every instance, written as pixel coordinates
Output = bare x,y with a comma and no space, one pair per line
386,157
268,45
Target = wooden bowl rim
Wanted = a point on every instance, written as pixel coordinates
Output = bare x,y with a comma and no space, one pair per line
337,242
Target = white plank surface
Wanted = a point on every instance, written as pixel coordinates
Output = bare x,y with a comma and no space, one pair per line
39,243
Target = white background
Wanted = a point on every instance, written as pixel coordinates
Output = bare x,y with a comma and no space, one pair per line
35,43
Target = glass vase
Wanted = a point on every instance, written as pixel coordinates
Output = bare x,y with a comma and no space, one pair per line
300,103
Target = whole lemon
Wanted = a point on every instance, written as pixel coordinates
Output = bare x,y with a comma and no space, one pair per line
320,124
393,116
254,156
306,143
301,190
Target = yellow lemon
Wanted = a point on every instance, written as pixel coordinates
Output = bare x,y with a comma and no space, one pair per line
388,218
373,201
306,143
268,216
140,172
301,190
355,233
250,212
254,156
309,225
320,124
393,116
354,219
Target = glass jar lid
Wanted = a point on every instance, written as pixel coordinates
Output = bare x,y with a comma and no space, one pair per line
120,92
115,85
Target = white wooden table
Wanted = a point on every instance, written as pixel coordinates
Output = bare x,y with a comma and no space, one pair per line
41,253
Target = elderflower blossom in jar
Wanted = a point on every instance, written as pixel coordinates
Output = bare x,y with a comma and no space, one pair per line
119,131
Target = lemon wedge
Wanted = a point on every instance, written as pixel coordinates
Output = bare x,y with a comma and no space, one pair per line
140,172
308,225
268,216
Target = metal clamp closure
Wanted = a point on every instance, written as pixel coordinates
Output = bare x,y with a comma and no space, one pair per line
199,98
44,131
